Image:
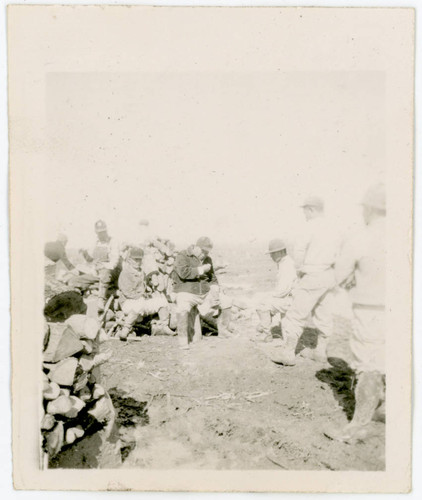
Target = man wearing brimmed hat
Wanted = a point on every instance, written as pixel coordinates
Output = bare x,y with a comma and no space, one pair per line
361,268
279,301
197,293
315,255
106,259
136,302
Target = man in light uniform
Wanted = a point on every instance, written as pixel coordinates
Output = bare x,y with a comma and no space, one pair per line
315,256
280,300
106,259
361,269
198,293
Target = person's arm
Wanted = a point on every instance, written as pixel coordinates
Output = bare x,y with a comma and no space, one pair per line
346,264
114,255
211,273
69,266
286,279
184,268
301,247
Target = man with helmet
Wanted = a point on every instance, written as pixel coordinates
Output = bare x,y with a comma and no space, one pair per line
280,300
135,299
198,293
361,268
315,256
106,259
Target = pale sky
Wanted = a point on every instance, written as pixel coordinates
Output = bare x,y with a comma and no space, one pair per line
229,155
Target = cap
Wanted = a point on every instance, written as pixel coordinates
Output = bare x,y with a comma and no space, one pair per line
204,242
313,201
136,253
100,226
375,197
276,245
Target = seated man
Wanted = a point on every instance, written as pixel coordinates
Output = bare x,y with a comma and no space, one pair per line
279,301
136,302
198,292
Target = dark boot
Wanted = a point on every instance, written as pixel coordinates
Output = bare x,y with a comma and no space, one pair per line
368,393
182,329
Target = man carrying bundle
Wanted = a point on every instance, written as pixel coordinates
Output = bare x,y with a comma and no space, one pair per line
198,293
136,302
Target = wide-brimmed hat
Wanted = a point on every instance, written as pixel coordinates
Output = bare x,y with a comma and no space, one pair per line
375,197
276,245
313,201
204,242
100,226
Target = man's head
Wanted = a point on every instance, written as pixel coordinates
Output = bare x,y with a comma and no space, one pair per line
135,257
101,230
277,249
62,238
374,203
205,244
313,206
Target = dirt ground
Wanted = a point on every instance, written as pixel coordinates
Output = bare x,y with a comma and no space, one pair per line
224,405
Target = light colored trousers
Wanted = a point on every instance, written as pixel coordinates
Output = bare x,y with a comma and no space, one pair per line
144,307
311,296
367,341
208,303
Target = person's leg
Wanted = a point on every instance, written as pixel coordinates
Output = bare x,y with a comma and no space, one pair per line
368,395
105,278
293,324
184,303
132,310
161,326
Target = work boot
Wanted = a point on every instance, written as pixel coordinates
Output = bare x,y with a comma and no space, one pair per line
161,328
182,329
285,355
124,332
368,393
319,353
264,327
223,324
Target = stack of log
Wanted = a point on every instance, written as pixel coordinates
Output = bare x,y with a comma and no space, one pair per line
74,401
158,265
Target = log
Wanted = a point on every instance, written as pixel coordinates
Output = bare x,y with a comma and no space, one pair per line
80,382
48,422
84,326
52,392
98,391
62,343
59,406
74,433
76,406
63,373
103,410
85,394
88,346
55,439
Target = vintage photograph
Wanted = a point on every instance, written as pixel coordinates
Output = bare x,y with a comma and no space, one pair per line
212,201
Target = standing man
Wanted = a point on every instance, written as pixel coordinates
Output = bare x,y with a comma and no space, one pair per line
197,293
315,258
361,269
280,300
106,258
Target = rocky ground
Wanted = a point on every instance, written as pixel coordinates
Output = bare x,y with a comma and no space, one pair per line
224,405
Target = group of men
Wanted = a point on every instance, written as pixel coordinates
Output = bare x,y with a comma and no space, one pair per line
307,286
307,283
193,292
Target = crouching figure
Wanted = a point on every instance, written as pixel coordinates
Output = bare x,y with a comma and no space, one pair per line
136,302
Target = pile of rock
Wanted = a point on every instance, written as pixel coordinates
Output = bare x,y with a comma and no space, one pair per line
74,401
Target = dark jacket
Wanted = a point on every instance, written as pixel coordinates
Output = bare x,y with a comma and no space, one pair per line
186,277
